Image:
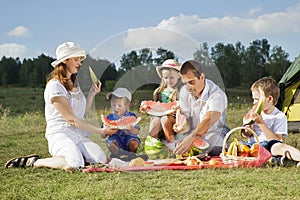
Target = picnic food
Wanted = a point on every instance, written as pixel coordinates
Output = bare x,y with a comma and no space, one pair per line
180,120
122,123
93,75
257,108
238,149
155,149
157,108
192,160
198,147
137,162
254,150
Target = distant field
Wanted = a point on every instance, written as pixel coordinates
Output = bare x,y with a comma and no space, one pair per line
22,100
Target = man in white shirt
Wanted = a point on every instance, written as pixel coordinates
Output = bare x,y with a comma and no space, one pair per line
205,104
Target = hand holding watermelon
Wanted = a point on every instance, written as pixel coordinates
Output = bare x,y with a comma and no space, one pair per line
157,108
181,122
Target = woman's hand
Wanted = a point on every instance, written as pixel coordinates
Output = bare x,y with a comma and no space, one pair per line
96,88
109,131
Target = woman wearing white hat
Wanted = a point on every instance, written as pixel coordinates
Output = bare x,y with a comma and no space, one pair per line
65,106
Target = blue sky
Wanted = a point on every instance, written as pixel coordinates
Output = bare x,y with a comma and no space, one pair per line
107,29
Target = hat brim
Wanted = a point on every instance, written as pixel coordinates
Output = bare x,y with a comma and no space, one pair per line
159,68
79,53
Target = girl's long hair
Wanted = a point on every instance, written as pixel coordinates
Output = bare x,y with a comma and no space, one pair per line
59,73
158,91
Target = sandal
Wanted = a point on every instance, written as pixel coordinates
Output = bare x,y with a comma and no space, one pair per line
23,161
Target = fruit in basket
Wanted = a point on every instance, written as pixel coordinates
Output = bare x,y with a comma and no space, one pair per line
254,150
243,154
257,108
233,147
243,148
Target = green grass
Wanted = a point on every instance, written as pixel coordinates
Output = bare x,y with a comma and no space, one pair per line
23,133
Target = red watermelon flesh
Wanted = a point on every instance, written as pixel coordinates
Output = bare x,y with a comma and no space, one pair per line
157,108
122,123
257,108
180,120
200,143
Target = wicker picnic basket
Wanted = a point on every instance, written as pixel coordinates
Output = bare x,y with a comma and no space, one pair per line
263,154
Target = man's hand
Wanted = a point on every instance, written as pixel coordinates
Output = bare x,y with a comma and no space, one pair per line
185,145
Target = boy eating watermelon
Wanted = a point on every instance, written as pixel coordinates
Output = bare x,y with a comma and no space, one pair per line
271,124
122,133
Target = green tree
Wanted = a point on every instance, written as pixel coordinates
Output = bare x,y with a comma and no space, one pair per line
228,59
163,54
9,67
256,56
278,64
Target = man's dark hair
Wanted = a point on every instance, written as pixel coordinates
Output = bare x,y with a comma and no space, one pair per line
192,66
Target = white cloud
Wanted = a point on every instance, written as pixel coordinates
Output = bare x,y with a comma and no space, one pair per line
182,34
12,50
254,11
19,31
229,28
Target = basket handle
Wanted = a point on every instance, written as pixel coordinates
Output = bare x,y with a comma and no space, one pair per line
235,129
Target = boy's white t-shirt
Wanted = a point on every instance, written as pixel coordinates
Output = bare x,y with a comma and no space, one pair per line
276,121
55,121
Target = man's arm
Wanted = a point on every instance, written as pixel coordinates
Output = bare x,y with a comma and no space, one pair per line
209,119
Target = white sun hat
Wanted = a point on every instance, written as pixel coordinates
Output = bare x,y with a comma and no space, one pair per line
68,50
120,92
170,63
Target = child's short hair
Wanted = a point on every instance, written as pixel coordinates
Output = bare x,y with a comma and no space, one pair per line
269,86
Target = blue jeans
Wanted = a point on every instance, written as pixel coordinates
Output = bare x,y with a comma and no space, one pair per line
122,140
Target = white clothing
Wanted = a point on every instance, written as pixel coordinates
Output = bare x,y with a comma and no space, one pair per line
211,99
276,121
64,139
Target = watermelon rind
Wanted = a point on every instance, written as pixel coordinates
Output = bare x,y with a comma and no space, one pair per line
148,104
114,123
93,75
247,120
155,149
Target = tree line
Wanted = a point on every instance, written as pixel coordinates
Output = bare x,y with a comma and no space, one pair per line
237,64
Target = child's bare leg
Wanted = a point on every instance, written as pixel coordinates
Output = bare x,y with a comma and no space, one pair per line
154,127
56,162
133,146
113,147
167,123
279,149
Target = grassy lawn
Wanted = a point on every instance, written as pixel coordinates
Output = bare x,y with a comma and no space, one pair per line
22,133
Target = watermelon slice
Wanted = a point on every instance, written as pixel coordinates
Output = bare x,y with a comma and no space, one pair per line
180,120
122,123
157,108
200,143
93,75
257,108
